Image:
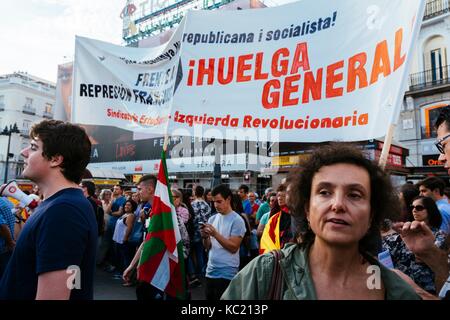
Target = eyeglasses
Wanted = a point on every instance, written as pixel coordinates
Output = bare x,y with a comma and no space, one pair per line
418,207
439,145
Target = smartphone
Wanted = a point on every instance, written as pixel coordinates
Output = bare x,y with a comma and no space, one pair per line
146,212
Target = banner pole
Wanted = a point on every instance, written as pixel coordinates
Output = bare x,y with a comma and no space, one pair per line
398,102
166,141
217,172
386,146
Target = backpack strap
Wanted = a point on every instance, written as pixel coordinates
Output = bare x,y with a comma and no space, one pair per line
276,285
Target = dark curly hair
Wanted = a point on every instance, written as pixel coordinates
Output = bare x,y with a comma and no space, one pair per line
133,205
383,200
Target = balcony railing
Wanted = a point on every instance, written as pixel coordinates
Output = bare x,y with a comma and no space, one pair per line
429,78
25,132
436,8
47,115
27,109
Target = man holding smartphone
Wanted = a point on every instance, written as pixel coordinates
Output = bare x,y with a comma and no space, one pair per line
222,237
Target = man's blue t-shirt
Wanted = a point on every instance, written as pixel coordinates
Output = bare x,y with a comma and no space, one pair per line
60,235
247,206
137,233
444,210
115,206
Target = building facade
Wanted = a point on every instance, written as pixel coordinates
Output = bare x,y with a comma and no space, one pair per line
189,160
151,23
428,90
24,100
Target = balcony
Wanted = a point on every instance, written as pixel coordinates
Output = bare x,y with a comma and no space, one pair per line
429,78
436,8
27,109
47,115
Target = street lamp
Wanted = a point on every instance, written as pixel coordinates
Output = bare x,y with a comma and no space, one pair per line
217,176
8,132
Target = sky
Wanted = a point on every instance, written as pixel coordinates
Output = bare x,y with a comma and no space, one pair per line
37,35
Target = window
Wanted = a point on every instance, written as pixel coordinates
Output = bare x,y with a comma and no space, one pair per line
48,111
2,100
436,65
26,126
435,60
48,108
29,102
409,103
408,124
429,114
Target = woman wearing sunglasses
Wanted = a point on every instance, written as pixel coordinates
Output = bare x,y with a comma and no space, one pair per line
423,209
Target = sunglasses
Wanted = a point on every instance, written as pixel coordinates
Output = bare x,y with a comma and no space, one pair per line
418,207
439,145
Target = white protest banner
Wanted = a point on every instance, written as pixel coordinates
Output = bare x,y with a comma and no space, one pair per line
310,71
130,88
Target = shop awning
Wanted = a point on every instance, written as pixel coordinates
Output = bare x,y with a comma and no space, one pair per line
105,174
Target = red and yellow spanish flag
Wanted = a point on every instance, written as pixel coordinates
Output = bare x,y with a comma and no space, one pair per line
270,239
22,212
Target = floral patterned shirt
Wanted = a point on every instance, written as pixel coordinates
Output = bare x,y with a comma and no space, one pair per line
202,212
405,261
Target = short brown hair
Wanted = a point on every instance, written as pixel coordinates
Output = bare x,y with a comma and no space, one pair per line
67,140
148,179
433,183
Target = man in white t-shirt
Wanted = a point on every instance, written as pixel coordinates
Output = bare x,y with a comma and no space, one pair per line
222,237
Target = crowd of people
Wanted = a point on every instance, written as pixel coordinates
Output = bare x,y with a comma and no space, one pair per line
126,213
347,216
317,235
222,231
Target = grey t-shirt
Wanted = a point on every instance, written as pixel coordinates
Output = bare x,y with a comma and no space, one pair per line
221,262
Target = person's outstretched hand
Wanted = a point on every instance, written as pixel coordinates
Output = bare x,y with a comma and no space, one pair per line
416,235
